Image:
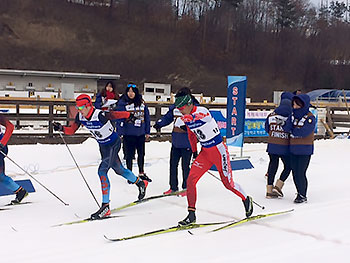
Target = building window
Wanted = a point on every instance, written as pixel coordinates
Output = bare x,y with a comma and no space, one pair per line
149,89
160,91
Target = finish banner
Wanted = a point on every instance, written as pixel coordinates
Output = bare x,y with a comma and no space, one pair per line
236,104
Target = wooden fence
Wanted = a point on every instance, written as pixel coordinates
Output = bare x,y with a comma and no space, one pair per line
338,117
32,113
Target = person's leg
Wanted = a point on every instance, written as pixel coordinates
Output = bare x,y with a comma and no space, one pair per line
271,172
222,162
304,164
287,168
102,172
129,142
293,166
4,179
273,167
118,168
103,168
186,154
175,155
221,159
115,163
140,148
297,171
199,167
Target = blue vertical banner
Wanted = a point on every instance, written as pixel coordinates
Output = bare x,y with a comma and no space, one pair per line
236,104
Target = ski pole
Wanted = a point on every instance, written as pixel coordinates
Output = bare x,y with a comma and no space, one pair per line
258,205
78,168
4,154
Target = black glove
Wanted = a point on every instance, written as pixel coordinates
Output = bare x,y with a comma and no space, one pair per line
131,118
157,127
194,155
2,147
57,126
183,127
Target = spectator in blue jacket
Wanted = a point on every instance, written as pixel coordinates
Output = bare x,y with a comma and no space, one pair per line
134,133
302,125
278,145
180,145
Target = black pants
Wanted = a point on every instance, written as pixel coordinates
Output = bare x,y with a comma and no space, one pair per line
273,166
132,144
299,164
175,155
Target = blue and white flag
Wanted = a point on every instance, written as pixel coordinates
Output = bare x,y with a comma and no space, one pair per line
236,104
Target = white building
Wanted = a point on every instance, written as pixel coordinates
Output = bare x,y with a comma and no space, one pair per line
50,83
157,92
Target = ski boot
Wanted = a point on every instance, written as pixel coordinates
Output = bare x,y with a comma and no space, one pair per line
190,219
144,177
142,185
182,194
248,206
21,193
168,192
104,211
300,199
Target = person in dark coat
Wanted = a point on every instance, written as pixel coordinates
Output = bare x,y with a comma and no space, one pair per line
302,125
278,145
180,145
134,133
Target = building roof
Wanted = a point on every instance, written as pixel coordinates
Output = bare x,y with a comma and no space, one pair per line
57,74
327,94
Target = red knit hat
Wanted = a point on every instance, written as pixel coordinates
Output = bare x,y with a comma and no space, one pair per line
82,100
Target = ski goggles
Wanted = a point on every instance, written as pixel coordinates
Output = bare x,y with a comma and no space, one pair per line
131,86
80,107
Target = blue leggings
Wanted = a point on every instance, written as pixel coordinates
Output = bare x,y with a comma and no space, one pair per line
4,179
110,159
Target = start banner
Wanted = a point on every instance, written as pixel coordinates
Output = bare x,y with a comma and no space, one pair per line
236,104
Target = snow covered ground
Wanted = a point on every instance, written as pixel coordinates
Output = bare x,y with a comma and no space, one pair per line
315,232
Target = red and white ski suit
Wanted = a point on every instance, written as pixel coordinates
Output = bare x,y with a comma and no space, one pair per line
203,127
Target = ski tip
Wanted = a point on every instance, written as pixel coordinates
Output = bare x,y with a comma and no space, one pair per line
108,239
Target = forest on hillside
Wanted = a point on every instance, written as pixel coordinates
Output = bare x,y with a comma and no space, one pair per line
277,44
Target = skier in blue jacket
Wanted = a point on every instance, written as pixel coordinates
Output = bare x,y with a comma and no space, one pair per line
302,125
180,145
136,132
99,124
5,180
